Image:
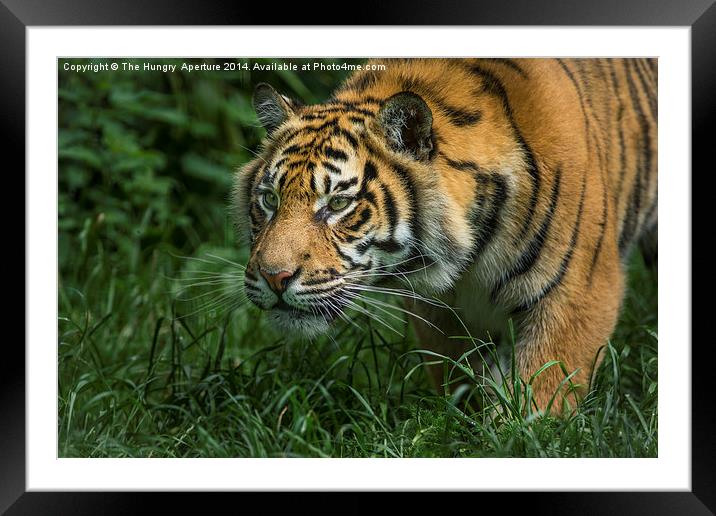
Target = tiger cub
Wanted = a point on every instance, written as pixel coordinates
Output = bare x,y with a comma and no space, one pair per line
509,188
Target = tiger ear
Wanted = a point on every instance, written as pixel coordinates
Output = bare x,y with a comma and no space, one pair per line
272,108
408,124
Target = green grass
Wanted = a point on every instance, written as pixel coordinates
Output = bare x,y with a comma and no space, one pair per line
140,378
144,171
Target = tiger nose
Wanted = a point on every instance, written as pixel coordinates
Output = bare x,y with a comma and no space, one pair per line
279,281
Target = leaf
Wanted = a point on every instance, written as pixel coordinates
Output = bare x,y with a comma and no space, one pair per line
201,168
81,154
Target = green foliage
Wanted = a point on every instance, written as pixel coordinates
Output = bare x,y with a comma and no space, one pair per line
146,157
150,368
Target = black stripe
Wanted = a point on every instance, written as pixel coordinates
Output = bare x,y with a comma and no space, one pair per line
487,227
332,275
631,224
295,165
531,255
460,117
343,108
595,137
319,281
348,239
330,167
582,96
406,181
651,99
602,229
311,291
493,86
250,180
298,149
457,116
254,224
345,185
370,99
293,179
389,246
256,215
313,116
282,181
344,256
313,184
574,82
412,194
585,78
600,240
293,149
461,165
389,207
369,173
510,63
651,102
327,184
352,140
333,122
651,210
648,72
364,217
303,131
283,135
334,100
622,153
564,264
361,82
336,154
368,196
602,173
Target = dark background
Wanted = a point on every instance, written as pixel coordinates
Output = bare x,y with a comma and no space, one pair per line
24,12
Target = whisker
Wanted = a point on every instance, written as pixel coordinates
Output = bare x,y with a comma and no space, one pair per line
380,267
216,304
208,274
242,267
370,315
340,314
211,292
370,302
253,151
378,304
208,280
395,292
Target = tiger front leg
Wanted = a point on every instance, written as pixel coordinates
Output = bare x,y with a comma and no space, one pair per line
569,332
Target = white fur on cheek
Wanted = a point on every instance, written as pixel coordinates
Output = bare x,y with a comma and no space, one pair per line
307,326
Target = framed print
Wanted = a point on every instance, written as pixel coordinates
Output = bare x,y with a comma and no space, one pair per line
259,261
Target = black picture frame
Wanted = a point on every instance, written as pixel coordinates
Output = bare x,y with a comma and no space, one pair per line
17,15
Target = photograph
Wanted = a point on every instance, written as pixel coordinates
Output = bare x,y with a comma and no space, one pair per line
357,258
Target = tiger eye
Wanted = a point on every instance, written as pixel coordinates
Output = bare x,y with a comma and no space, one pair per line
339,203
270,200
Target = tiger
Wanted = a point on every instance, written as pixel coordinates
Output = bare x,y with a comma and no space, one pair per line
510,190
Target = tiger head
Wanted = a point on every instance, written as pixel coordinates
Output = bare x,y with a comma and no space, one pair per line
339,197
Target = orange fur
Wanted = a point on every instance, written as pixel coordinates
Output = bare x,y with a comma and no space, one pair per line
540,175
